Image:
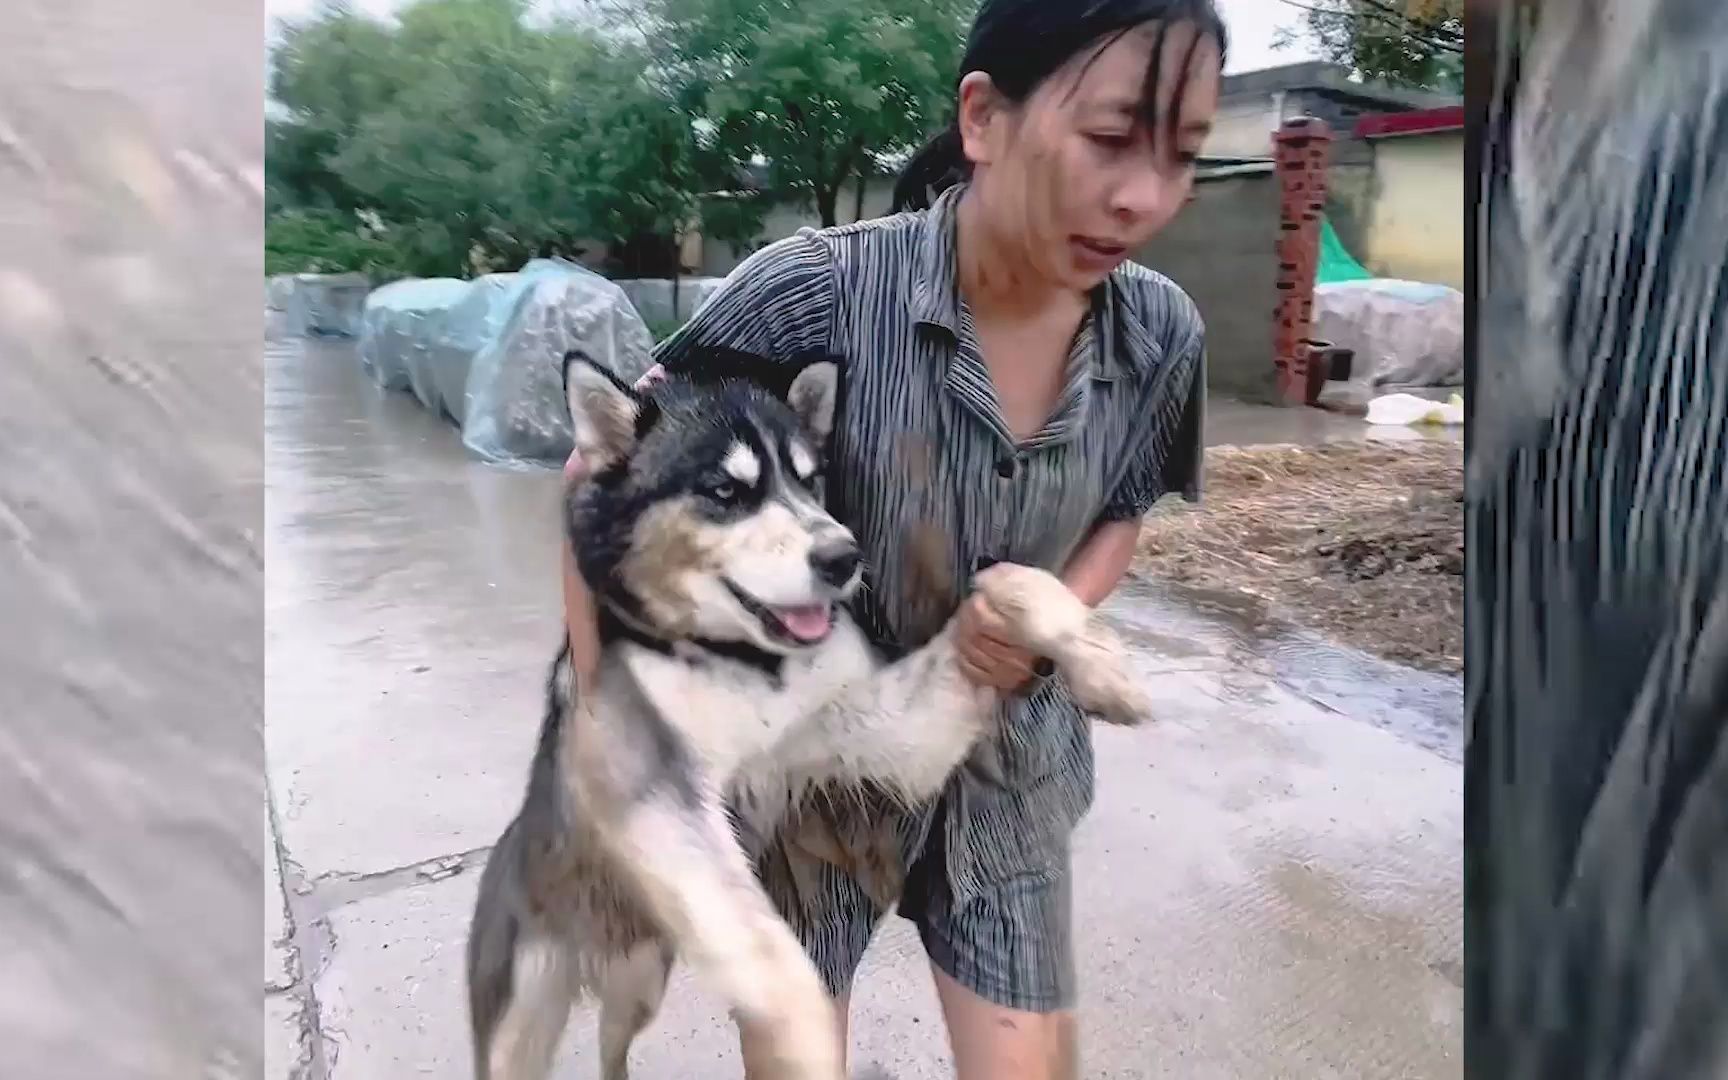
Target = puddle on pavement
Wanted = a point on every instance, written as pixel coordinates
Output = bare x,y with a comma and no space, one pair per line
1183,627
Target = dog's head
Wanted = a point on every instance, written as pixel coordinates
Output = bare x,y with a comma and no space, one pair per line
702,515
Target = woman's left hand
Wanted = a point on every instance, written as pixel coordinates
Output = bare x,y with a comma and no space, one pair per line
987,655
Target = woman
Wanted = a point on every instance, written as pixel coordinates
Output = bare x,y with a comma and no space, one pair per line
1014,390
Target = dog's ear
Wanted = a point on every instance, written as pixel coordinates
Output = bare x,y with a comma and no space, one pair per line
813,395
603,411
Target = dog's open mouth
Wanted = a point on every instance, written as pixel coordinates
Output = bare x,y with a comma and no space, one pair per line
800,624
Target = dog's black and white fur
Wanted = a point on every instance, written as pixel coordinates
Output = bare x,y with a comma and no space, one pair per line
730,681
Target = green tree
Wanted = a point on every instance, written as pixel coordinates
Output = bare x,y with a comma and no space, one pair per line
329,72
818,88
480,137
1415,43
316,241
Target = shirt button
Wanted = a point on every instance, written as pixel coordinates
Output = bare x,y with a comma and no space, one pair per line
1006,468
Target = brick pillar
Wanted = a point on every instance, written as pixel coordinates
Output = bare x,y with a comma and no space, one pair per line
1301,148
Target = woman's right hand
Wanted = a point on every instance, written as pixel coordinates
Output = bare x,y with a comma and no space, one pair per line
579,619
580,622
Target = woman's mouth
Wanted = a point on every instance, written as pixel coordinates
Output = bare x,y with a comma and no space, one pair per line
1094,254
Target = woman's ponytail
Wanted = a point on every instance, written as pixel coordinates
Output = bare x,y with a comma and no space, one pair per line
937,167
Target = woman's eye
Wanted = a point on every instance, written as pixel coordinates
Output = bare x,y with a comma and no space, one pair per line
1112,141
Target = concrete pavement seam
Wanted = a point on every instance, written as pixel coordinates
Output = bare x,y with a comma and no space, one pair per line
327,892
309,945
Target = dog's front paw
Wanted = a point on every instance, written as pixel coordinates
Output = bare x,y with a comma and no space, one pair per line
1098,675
1043,614
806,1049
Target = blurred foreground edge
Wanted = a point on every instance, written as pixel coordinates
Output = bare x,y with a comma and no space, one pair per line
1596,647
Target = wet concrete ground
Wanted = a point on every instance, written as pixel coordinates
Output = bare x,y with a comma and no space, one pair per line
1268,886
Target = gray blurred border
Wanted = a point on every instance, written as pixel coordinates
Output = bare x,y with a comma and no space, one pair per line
131,573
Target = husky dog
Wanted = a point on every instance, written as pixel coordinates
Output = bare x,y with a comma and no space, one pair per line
731,680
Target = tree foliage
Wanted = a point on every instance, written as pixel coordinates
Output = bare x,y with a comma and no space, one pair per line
478,135
481,138
320,241
820,89
1414,43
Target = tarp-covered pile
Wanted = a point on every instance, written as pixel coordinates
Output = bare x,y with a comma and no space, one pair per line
319,304
1404,333
488,353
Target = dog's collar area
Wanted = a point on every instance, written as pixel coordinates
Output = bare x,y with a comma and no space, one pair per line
615,625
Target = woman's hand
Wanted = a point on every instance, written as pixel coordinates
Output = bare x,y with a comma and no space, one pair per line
579,618
987,655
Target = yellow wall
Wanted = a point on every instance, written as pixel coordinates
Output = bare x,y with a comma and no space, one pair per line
1416,227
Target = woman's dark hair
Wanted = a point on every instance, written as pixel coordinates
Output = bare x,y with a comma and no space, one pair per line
1020,43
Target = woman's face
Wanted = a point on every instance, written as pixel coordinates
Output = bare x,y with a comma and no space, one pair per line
1075,175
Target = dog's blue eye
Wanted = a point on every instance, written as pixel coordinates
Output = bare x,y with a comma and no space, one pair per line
724,492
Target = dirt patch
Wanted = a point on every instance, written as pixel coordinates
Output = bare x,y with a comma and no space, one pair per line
1362,543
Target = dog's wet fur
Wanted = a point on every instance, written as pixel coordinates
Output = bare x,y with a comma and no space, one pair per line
731,681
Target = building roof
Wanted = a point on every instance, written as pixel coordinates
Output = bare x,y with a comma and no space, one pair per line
1334,80
1420,122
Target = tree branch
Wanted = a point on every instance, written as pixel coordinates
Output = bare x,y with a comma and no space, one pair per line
1414,27
1396,20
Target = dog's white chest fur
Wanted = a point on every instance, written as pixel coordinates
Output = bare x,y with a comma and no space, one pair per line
730,712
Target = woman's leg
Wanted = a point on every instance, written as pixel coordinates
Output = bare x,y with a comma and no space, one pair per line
993,1042
1003,962
832,914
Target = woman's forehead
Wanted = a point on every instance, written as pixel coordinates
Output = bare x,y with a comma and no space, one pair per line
1112,77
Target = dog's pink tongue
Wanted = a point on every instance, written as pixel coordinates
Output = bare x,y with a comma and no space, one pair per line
808,623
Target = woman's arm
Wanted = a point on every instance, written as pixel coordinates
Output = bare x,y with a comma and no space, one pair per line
1103,559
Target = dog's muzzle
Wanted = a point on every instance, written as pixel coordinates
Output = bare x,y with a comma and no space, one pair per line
835,563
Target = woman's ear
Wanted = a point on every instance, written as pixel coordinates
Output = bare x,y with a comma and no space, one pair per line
978,118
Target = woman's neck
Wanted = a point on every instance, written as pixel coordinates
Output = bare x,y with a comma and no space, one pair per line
995,274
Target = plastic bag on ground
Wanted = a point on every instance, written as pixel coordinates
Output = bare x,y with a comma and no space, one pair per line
1402,410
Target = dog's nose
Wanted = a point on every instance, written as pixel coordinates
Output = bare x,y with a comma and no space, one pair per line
835,561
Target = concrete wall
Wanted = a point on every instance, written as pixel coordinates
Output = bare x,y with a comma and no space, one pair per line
1244,123
1220,249
1416,225
717,259
1243,128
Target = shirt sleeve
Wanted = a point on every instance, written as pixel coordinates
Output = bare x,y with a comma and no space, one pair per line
778,306
1171,449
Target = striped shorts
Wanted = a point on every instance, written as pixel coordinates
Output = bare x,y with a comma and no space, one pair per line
1011,942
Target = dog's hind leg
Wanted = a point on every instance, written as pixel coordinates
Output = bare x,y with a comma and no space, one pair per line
689,869
630,994
524,1036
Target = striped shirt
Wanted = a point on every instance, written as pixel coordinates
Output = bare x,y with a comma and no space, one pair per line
927,474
